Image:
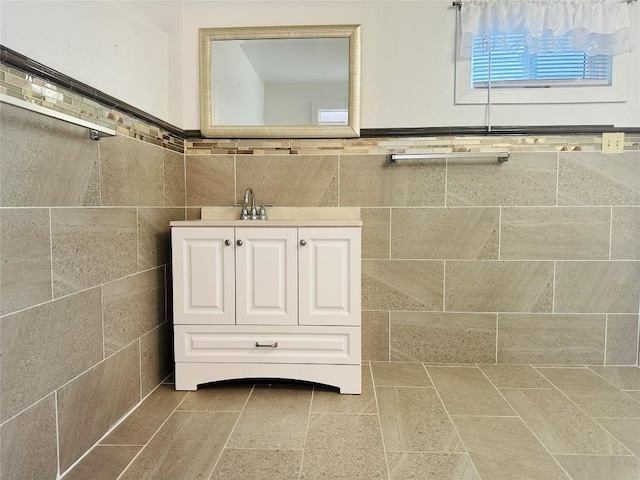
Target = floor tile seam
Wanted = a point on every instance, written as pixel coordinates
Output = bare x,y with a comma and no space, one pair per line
526,388
483,416
112,428
591,455
405,386
375,397
235,424
346,414
522,420
592,417
586,414
210,411
306,433
614,418
270,449
475,469
431,452
154,433
119,445
605,378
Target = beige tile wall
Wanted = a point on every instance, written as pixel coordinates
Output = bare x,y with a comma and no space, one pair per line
84,274
535,260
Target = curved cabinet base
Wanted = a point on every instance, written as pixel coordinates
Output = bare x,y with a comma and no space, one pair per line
346,377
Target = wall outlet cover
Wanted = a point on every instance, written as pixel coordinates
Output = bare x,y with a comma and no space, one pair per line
613,142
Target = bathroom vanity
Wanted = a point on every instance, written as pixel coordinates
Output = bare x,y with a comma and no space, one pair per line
277,298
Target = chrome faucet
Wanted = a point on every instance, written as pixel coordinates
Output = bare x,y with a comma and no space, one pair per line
249,209
245,215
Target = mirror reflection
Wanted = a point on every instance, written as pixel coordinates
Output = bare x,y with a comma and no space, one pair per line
280,81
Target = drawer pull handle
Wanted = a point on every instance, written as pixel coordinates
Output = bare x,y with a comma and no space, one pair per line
266,345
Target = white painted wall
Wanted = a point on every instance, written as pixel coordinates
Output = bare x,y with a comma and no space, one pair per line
128,49
134,50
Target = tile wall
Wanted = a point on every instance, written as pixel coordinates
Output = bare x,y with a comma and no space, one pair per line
84,255
534,260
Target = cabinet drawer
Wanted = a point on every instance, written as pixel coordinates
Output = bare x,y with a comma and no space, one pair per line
269,344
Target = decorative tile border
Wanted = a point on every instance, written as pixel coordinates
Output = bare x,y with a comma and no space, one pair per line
389,145
23,86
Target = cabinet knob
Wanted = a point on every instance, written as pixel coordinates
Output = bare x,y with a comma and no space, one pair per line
303,242
239,242
227,242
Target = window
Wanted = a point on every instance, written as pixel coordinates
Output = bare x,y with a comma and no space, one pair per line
510,65
337,116
523,32
608,81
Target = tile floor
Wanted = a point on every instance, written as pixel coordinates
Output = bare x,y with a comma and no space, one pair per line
412,421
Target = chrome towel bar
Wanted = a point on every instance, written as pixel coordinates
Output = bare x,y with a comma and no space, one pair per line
501,156
95,131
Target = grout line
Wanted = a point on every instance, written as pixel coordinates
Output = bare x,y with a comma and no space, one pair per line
111,429
497,336
466,451
184,178
390,230
164,182
582,409
99,175
235,178
610,231
50,252
444,286
306,434
388,337
150,438
375,397
446,180
557,177
104,352
137,238
55,399
253,387
525,423
140,365
499,233
553,289
606,337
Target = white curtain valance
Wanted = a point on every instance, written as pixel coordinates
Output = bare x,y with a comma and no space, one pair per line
595,27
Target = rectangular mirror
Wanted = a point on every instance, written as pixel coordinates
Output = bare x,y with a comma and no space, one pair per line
280,82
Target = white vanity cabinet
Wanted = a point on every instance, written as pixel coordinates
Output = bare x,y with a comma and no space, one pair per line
267,300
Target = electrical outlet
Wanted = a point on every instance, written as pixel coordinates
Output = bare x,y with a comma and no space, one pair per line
612,142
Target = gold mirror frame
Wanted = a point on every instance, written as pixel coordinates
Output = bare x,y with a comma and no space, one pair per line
209,130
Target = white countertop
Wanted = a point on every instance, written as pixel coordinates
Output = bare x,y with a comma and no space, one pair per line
277,217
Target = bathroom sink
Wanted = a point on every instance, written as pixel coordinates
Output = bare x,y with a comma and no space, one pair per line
279,216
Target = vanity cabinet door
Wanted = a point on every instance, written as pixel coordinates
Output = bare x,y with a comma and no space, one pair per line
203,275
266,276
329,261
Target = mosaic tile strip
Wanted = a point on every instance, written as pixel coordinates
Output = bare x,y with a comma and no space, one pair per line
389,145
23,86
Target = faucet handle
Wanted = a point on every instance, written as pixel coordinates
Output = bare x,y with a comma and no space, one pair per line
263,210
237,205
